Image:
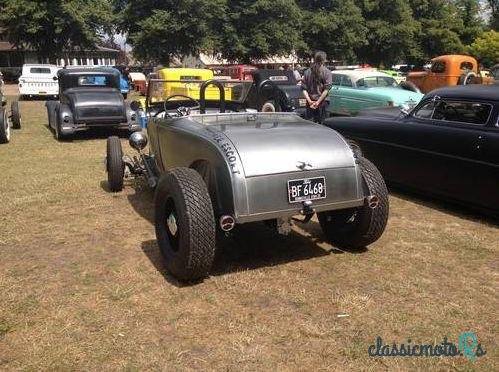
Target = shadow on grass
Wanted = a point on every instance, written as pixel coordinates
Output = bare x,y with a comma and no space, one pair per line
452,208
252,246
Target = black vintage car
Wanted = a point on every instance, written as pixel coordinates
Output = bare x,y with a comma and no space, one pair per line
275,91
447,146
89,97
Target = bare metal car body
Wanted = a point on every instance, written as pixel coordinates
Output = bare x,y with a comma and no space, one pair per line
253,155
216,164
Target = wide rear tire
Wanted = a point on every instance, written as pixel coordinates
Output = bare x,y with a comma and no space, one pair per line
356,228
16,115
4,126
115,165
185,224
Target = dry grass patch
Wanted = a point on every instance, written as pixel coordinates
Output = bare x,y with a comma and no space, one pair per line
83,285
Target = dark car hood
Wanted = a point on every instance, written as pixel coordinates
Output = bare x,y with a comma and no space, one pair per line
381,112
96,104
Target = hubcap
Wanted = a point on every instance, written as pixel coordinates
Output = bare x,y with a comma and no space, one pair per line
172,224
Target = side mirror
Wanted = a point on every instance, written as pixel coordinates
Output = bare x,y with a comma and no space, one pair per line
405,109
55,78
135,105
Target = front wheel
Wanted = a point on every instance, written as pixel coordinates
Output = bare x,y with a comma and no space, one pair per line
356,228
115,165
185,224
4,126
16,115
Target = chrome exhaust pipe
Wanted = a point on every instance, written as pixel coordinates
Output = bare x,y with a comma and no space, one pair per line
227,223
372,201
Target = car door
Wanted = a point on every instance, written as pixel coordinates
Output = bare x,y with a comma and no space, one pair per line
436,149
488,151
335,95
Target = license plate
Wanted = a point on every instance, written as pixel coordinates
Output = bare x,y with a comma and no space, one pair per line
306,189
302,102
42,92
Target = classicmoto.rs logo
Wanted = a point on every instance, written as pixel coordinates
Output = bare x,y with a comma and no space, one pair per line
467,346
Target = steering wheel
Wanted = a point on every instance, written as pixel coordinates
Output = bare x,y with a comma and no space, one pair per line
182,110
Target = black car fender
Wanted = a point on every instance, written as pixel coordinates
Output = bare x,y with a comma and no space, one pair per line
51,112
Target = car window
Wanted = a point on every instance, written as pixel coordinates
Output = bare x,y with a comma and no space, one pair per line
425,111
438,67
39,70
337,79
376,82
93,80
346,81
463,112
466,66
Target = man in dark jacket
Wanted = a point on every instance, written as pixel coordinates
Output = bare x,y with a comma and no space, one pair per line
316,83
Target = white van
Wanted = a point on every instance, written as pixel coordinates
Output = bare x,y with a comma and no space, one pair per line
39,80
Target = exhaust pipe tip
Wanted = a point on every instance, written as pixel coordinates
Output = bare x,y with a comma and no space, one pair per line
227,223
372,201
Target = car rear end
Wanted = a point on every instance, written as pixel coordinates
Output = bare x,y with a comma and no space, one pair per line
38,80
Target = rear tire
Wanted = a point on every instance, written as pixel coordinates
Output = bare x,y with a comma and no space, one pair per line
115,165
356,228
16,115
185,224
4,126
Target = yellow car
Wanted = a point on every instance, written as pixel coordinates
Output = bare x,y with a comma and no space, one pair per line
185,82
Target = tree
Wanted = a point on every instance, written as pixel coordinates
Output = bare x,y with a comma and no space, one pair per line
469,10
486,48
334,26
494,19
392,32
161,30
258,29
51,26
440,30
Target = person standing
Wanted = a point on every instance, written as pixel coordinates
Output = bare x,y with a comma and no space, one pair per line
316,83
296,73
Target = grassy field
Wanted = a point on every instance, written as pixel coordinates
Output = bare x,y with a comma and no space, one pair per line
83,286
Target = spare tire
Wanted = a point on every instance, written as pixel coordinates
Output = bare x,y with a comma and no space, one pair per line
409,85
466,78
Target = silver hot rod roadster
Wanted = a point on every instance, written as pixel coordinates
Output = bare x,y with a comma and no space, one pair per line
215,164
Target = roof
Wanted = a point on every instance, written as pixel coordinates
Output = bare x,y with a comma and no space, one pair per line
454,57
89,71
472,91
359,74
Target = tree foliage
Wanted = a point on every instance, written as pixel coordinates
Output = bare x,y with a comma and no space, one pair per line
50,26
486,48
373,31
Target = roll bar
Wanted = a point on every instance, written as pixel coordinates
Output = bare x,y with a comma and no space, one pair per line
202,95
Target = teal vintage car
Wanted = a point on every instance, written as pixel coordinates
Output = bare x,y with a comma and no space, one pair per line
354,90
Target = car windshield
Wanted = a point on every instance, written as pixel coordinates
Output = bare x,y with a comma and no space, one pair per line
159,90
94,80
376,82
39,70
